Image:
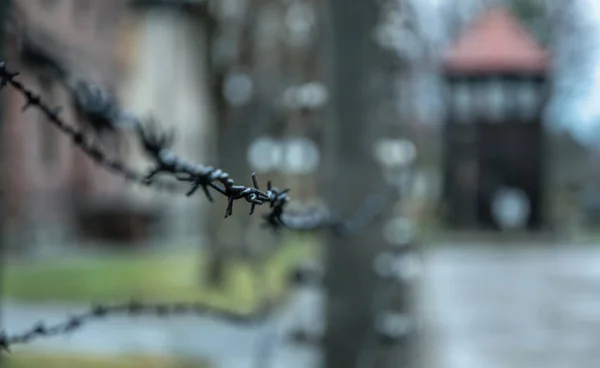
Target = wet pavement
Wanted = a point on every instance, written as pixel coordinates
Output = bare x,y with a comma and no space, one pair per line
487,306
516,307
225,344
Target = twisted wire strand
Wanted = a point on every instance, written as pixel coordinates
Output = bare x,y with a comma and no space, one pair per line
131,309
77,137
156,145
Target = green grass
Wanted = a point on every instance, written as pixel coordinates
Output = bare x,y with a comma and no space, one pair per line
151,277
30,360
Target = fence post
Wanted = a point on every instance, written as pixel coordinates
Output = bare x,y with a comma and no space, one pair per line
350,173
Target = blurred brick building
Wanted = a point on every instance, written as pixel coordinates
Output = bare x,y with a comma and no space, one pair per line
164,47
49,179
154,58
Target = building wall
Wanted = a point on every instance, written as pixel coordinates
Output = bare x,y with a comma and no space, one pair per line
45,167
167,78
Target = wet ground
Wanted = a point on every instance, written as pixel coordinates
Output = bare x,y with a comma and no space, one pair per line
226,345
518,307
486,306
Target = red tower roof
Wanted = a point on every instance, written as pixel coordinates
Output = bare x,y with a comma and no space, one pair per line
496,43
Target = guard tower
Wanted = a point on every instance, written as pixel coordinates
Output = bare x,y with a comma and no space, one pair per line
496,77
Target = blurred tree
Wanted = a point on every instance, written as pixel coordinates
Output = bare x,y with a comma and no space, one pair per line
459,14
533,13
238,112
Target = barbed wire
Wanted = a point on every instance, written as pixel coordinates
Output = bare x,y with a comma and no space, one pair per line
101,110
78,138
156,144
131,309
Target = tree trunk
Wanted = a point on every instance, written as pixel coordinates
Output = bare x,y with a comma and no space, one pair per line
236,128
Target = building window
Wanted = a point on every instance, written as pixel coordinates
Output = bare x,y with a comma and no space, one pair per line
48,139
528,100
497,101
511,89
462,104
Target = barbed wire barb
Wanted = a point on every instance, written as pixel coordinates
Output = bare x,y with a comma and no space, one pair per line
53,114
